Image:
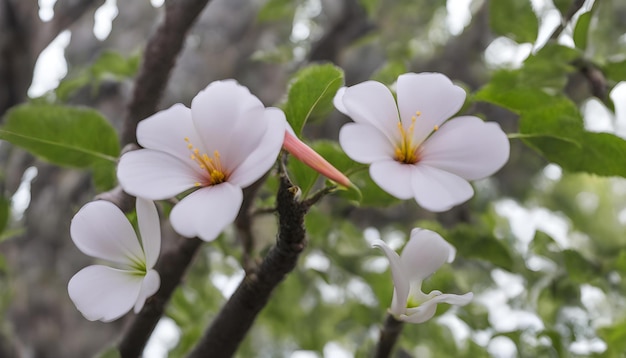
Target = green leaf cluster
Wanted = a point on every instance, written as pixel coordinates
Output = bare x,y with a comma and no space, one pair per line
551,123
515,19
68,136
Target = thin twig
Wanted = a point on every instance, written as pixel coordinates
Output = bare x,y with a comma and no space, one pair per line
388,336
574,7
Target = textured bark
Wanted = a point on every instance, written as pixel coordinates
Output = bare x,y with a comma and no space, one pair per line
238,314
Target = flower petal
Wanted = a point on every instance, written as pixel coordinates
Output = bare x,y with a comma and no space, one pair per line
101,230
372,103
424,254
229,120
149,230
207,211
431,94
156,175
400,279
261,158
166,131
364,143
149,286
104,293
427,310
338,101
437,190
467,147
393,177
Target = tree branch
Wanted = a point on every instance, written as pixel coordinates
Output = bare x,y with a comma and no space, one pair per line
159,58
352,24
171,267
574,7
388,336
158,61
236,317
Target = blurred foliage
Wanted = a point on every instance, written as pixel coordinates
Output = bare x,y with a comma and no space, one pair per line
546,269
109,66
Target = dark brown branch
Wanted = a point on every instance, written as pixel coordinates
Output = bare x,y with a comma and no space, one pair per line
388,336
171,267
352,25
66,13
159,58
158,61
243,223
574,7
236,317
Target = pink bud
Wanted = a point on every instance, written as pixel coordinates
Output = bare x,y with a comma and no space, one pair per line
308,156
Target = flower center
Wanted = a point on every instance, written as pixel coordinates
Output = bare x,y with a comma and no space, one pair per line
407,151
211,164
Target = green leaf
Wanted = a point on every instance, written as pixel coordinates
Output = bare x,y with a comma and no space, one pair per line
615,70
112,64
109,65
615,338
68,136
562,5
552,124
514,19
5,209
544,245
311,93
581,30
473,243
389,72
302,175
579,269
276,10
370,6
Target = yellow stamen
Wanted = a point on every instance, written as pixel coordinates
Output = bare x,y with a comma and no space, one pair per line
406,152
436,128
212,165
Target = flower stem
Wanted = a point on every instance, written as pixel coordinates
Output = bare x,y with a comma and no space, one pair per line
388,336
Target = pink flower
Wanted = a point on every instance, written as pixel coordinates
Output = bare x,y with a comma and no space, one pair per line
224,143
420,153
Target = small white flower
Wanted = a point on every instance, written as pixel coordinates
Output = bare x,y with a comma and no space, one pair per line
101,230
224,143
425,252
417,155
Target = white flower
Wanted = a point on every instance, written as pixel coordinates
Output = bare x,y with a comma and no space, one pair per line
417,154
425,252
101,230
225,142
